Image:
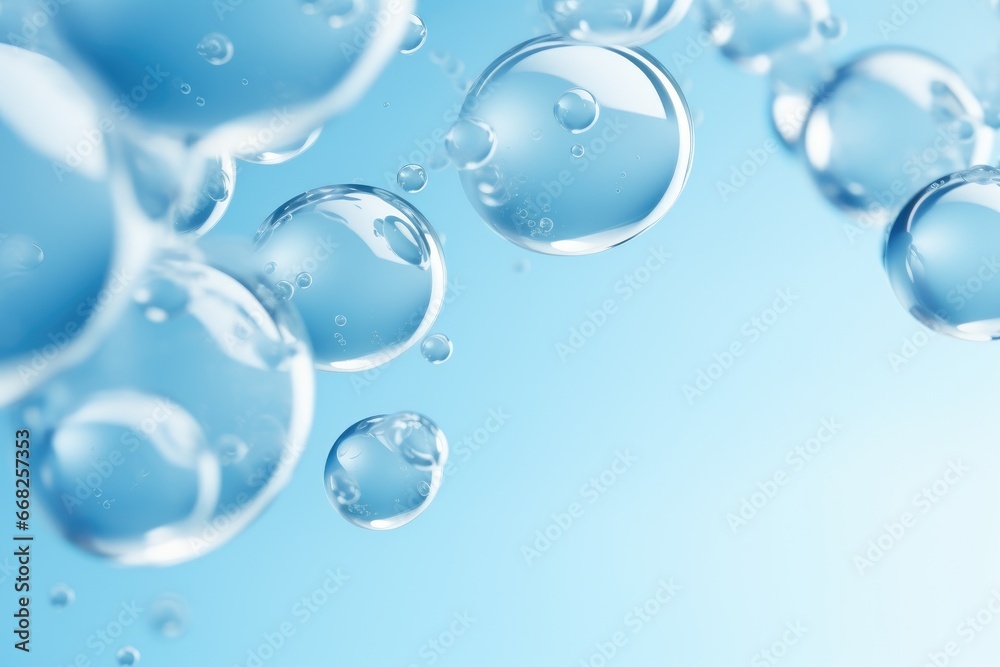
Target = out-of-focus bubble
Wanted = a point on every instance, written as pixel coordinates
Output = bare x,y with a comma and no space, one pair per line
941,255
384,471
215,48
128,655
378,274
470,143
621,22
135,444
795,83
416,35
756,33
598,108
888,123
412,178
61,596
306,66
168,616
204,207
437,349
278,153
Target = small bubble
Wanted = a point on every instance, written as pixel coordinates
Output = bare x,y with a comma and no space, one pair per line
284,290
185,88
522,266
200,101
127,655
832,28
245,82
416,35
412,178
545,224
304,280
340,320
577,110
437,349
168,616
61,596
536,134
385,105
216,48
270,267
578,151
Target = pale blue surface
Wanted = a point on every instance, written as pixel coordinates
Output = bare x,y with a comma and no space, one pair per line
620,396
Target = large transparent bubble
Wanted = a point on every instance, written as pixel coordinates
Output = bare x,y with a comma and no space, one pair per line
757,33
943,255
362,266
245,76
622,22
384,471
66,256
571,149
177,431
887,124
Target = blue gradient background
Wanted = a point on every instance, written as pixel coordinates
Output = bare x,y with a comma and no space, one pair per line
665,518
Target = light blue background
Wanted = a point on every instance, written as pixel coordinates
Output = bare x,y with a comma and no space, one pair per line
665,517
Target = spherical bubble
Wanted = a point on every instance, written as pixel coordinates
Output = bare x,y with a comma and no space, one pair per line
282,151
61,595
375,261
200,209
755,33
437,349
416,35
128,655
940,255
576,110
570,174
168,616
412,178
622,22
384,471
470,143
312,62
215,48
176,432
885,125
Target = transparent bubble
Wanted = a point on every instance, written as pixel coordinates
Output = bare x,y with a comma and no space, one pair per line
942,255
203,207
412,178
437,349
416,35
312,62
215,48
577,110
61,596
128,655
570,177
622,22
756,33
168,616
832,27
304,280
886,125
280,150
131,443
375,261
384,471
470,143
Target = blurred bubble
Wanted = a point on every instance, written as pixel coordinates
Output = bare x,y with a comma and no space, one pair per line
134,445
437,349
203,207
622,22
375,261
215,48
942,255
384,471
598,107
416,35
168,616
887,124
61,596
127,655
470,143
279,152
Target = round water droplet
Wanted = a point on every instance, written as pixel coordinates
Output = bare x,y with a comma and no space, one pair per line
128,655
282,150
884,127
384,471
623,22
412,178
168,616
577,110
632,105
470,143
135,423
61,596
758,33
416,35
437,348
215,48
941,254
372,241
